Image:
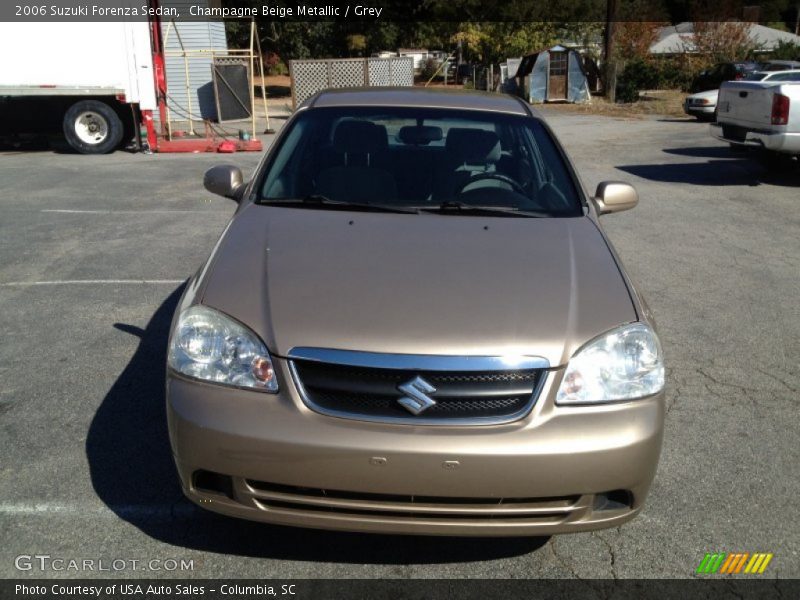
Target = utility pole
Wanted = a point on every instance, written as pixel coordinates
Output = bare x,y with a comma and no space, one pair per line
610,66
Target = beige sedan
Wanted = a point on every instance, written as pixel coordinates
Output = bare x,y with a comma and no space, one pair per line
415,324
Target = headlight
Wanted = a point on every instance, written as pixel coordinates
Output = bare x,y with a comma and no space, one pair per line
624,364
210,346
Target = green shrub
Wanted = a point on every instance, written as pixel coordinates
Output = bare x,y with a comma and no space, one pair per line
785,51
658,74
643,75
429,68
273,65
636,76
627,91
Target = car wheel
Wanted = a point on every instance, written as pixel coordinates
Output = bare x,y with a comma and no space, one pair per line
92,127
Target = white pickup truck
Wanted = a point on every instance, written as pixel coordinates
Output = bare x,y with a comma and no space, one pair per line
763,116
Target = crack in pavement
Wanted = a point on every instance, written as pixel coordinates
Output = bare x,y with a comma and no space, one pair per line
560,560
611,553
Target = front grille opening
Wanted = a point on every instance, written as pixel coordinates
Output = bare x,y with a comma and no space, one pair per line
263,486
213,483
614,500
410,514
372,393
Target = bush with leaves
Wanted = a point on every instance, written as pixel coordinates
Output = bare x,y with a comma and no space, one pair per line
642,74
627,91
429,68
677,73
785,51
273,64
669,73
638,75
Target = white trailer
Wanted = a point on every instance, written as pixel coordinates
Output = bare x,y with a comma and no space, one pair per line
92,79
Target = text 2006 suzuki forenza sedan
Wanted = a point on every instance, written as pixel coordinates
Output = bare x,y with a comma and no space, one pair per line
415,324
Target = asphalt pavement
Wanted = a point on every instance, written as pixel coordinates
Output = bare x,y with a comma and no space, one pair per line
93,253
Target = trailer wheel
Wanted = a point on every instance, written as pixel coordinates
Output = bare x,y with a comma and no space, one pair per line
92,127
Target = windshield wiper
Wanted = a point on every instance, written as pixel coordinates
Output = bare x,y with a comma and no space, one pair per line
324,201
461,207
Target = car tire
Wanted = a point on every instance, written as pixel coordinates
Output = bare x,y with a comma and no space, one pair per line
92,127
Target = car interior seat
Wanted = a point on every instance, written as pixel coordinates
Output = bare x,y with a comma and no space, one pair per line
357,178
468,152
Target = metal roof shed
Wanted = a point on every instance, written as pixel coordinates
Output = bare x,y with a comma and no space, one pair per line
553,75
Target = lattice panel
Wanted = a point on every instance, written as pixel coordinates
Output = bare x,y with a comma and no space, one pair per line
312,76
402,69
347,73
380,71
308,78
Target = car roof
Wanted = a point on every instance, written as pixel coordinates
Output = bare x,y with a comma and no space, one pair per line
420,97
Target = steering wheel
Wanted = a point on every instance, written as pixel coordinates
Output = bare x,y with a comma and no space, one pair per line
516,187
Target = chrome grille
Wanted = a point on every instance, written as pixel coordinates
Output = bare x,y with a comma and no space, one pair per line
461,397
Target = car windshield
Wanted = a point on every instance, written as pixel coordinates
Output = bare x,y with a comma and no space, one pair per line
755,76
442,160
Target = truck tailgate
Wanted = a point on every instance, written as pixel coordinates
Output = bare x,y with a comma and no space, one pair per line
746,103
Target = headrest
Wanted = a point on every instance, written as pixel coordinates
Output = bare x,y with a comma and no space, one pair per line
473,145
419,135
359,137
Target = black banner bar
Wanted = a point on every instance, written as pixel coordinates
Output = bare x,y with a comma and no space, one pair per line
371,11
712,588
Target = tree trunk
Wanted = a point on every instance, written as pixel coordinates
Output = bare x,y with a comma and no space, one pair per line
609,62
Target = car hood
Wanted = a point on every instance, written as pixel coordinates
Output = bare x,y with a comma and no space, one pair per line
417,284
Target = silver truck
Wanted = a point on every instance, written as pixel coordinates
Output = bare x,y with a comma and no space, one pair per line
763,116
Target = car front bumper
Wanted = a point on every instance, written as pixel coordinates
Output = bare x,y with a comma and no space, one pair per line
270,458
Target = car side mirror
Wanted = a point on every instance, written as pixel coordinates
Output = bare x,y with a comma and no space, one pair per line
615,196
224,180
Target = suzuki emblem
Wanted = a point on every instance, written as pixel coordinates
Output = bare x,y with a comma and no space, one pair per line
416,399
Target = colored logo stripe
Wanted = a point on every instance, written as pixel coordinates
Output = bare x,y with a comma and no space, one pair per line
732,563
711,562
758,564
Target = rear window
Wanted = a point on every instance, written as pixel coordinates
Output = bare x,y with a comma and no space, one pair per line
420,157
793,76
